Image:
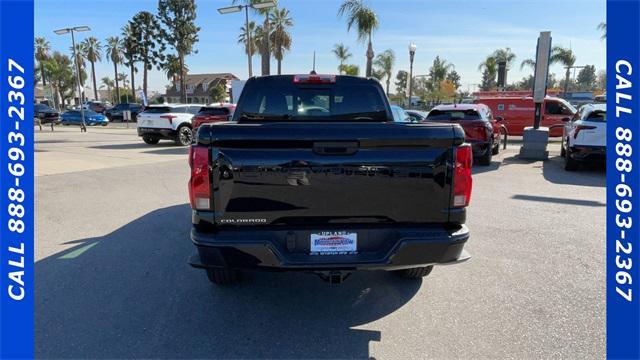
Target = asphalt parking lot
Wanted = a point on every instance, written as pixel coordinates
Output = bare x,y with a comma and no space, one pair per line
112,279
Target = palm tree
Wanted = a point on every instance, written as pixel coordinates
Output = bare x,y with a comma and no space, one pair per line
242,39
108,83
262,45
79,50
130,47
280,38
365,21
603,26
42,48
565,57
124,77
384,62
489,68
505,55
342,53
92,52
113,52
528,63
171,66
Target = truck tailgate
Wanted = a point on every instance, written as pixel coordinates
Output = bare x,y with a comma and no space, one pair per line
308,173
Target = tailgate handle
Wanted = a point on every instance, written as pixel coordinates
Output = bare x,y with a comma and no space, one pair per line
335,147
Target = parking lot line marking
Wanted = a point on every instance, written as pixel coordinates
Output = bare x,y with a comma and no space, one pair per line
77,252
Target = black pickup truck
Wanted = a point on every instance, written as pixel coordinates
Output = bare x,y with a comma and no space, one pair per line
312,174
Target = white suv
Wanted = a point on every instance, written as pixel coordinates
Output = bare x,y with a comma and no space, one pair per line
585,136
168,121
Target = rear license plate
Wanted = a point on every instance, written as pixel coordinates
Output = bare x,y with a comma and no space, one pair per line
334,243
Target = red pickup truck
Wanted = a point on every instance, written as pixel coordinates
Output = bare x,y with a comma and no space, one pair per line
481,128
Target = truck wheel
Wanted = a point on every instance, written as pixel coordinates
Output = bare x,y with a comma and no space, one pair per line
496,148
151,140
222,276
485,159
184,136
570,164
415,273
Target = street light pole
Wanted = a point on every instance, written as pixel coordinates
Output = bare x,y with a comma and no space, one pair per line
248,39
238,8
83,126
412,52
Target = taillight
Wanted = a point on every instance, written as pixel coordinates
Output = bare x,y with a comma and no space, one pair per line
314,79
462,176
168,117
199,184
582,127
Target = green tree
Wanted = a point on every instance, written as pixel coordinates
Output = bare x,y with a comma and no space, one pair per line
352,70
384,62
149,43
130,54
113,52
218,93
171,67
602,80
603,27
401,82
249,32
180,31
59,70
42,48
437,73
565,57
366,21
530,63
109,84
489,69
280,36
263,41
79,51
586,79
92,52
342,53
505,55
454,78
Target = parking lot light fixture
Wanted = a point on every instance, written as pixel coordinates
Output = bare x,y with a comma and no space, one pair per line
83,127
238,8
412,52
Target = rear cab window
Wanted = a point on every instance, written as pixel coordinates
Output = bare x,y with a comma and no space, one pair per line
453,115
282,99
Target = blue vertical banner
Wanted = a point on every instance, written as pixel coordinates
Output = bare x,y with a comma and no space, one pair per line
623,179
16,179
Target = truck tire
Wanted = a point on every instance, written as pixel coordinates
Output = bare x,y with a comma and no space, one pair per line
415,273
570,164
184,135
485,160
496,149
151,140
222,276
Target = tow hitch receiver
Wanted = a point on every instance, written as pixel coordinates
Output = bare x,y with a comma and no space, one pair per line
334,277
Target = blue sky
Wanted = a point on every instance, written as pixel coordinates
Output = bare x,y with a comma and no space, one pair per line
462,32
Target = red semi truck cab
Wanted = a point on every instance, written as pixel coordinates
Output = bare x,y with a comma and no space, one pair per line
518,112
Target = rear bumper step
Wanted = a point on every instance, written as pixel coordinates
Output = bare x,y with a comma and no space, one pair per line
405,248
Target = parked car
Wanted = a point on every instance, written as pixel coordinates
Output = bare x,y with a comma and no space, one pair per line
602,98
584,138
212,113
96,106
73,117
399,115
340,188
170,122
117,112
481,129
46,114
519,112
417,115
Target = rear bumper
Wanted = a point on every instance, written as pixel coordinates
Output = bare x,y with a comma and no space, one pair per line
588,153
480,147
378,249
162,133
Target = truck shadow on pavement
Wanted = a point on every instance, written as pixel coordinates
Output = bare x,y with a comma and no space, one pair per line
131,294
